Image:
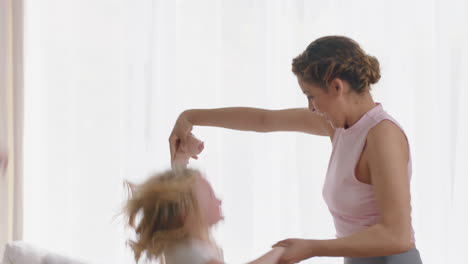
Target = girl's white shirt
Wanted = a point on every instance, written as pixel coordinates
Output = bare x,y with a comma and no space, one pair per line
192,252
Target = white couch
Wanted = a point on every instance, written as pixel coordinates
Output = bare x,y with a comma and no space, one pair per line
20,252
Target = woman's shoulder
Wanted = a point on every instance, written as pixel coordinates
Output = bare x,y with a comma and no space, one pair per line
387,138
386,129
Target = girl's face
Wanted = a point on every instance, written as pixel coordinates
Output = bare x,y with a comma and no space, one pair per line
210,205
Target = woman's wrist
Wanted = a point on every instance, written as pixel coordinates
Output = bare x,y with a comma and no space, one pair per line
322,248
187,115
313,247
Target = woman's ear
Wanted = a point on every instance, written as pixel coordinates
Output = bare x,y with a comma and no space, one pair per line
337,87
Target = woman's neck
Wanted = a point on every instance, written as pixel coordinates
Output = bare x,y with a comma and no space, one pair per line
359,105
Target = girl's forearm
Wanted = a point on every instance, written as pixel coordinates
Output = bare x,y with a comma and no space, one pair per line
271,257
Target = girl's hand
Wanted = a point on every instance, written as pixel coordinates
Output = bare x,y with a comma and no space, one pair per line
296,250
181,130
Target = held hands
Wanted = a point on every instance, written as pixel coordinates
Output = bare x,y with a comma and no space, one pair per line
183,144
187,149
181,130
296,250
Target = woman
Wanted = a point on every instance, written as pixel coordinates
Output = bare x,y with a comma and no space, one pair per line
367,186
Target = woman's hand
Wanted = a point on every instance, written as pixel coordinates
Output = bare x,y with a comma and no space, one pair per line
181,130
296,250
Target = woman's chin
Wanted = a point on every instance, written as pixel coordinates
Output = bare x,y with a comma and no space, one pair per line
331,123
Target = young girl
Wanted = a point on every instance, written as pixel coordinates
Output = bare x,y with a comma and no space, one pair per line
172,214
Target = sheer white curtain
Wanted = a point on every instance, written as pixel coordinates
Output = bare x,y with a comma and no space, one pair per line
105,81
74,103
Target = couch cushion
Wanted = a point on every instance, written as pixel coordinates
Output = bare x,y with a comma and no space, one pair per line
53,258
19,252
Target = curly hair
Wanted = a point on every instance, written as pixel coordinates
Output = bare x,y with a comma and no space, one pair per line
161,204
333,57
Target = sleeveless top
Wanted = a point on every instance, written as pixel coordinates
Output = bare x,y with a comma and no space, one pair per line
352,203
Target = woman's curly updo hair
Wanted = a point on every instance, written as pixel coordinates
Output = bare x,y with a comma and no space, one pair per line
333,57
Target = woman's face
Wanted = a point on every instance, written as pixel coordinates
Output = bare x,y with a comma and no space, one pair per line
210,205
321,102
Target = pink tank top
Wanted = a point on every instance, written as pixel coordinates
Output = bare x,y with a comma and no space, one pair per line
351,202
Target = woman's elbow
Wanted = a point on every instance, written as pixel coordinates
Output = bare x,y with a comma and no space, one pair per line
403,242
401,238
404,246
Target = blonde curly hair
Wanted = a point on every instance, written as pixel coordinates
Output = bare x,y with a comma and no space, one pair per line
157,211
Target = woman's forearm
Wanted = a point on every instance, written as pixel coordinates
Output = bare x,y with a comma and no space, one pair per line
260,120
376,240
238,118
